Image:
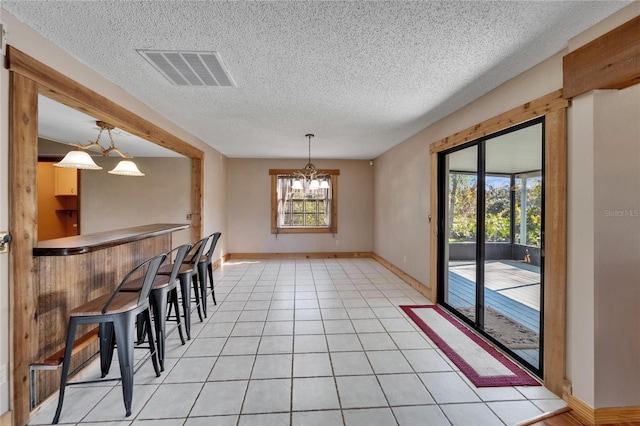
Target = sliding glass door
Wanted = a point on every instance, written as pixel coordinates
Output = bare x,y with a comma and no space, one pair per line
462,224
490,238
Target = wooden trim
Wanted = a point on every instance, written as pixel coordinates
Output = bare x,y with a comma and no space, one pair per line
63,89
301,255
334,204
536,108
333,172
23,210
420,287
582,411
6,419
555,250
433,230
79,344
553,107
197,198
28,78
218,263
274,203
304,231
615,415
612,61
567,389
603,416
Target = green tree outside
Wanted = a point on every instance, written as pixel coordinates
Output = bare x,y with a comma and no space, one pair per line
463,201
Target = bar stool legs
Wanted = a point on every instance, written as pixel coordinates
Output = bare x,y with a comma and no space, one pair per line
200,304
116,315
124,332
185,290
202,278
163,291
124,338
71,336
123,327
173,302
186,273
213,293
106,334
159,299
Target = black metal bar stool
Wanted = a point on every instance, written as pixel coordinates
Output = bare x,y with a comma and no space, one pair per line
187,274
116,315
163,291
205,268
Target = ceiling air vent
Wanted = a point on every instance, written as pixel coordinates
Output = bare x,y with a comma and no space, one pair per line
190,68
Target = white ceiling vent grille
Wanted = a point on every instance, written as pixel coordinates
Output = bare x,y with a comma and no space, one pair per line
190,68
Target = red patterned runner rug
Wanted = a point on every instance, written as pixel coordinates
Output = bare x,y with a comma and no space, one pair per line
483,364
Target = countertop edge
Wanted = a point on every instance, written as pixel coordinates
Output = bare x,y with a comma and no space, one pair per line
82,244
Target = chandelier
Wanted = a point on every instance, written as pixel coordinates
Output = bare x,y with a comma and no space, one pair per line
307,179
82,160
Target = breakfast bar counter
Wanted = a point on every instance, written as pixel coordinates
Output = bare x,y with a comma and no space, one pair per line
74,270
92,242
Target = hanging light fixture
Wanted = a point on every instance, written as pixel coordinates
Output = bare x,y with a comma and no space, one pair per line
82,160
78,160
307,179
126,168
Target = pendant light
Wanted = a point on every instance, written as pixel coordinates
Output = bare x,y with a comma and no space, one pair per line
307,179
82,160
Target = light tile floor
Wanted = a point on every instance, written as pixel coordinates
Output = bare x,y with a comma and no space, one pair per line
303,342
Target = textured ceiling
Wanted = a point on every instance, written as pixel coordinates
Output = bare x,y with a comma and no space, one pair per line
362,76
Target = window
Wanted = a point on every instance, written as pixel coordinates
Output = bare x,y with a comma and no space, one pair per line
528,210
296,211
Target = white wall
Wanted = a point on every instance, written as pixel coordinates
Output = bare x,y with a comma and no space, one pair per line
580,245
604,248
214,195
617,247
249,204
401,209
163,195
402,174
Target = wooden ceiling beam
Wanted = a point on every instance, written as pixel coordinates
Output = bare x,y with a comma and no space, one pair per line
612,61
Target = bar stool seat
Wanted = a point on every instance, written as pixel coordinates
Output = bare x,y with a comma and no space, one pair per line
122,302
116,316
184,269
160,281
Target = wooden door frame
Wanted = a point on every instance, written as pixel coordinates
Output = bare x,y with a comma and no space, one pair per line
554,108
29,78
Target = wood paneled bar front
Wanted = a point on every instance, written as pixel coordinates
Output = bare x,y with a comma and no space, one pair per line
74,270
